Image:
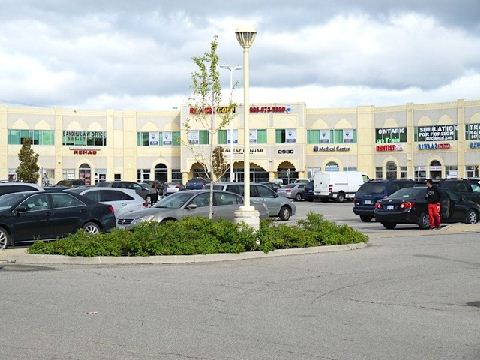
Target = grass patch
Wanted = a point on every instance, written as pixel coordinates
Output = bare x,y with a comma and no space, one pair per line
198,235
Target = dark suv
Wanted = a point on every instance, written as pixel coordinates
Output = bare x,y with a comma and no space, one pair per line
372,191
144,190
466,189
13,187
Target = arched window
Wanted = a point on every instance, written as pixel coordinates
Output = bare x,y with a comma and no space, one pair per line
332,166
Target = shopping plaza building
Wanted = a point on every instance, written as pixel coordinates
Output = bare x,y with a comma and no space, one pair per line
287,141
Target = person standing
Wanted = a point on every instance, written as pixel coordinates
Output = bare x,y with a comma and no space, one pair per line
433,198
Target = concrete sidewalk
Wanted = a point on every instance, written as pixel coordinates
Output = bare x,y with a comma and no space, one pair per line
20,256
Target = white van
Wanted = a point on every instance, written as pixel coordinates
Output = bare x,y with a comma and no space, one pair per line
337,185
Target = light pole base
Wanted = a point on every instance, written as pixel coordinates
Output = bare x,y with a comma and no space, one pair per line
247,215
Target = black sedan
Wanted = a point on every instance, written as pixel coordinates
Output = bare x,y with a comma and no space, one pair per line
27,216
409,206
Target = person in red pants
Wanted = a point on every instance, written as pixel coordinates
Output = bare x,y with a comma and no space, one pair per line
433,198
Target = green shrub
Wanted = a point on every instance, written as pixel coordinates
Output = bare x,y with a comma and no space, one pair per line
199,235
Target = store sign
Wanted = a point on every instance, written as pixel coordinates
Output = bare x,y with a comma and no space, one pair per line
242,150
434,146
331,148
437,133
475,145
153,138
390,135
84,151
193,137
285,151
270,109
208,110
473,131
393,147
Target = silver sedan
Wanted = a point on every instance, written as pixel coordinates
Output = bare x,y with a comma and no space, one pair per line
189,203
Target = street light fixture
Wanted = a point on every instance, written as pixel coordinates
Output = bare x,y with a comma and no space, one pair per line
246,213
231,68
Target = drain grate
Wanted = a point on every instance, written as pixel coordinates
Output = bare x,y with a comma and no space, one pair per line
474,303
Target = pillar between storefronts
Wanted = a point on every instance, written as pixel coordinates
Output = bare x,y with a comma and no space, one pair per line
3,143
410,148
461,142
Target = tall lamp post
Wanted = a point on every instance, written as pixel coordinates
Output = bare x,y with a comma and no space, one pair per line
231,68
246,213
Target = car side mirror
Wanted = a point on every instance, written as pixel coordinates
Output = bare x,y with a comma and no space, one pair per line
21,209
191,206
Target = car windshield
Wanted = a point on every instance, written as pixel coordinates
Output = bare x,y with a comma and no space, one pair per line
8,201
371,188
174,201
409,193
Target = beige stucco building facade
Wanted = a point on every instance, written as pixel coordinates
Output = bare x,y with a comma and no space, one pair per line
286,141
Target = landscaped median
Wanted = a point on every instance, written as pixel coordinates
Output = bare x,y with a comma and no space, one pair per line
196,235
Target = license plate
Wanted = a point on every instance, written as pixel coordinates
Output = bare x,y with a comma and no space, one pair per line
389,207
368,202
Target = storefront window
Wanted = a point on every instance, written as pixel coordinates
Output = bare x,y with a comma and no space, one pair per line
403,172
68,174
39,137
336,136
451,171
420,173
48,177
100,175
285,136
379,172
201,137
258,136
12,174
349,168
472,171
85,138
176,176
158,138
224,136
436,133
391,170
390,135
143,174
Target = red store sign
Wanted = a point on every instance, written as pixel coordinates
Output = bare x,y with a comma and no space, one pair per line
84,152
269,109
393,147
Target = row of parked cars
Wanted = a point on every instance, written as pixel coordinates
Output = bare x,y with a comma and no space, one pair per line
29,212
393,202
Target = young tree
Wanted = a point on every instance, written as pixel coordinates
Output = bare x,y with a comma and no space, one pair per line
27,171
206,101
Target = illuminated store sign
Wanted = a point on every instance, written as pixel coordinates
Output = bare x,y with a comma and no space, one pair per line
434,146
241,151
472,132
395,147
331,148
270,109
475,145
390,135
208,110
436,133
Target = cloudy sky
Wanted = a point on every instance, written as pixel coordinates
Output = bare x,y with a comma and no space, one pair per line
119,54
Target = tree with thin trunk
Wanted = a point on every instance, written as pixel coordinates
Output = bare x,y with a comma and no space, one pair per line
27,171
206,101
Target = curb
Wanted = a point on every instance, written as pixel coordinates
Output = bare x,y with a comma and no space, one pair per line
21,257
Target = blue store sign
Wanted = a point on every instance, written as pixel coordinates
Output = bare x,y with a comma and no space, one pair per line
475,145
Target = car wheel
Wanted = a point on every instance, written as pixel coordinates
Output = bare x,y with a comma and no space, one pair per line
340,197
285,213
4,238
389,226
423,222
298,197
91,228
471,217
366,218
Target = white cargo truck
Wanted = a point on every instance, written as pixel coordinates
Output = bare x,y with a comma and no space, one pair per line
337,185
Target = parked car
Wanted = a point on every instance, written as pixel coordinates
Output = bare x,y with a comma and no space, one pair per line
300,181
36,215
374,190
13,187
409,206
271,185
122,200
172,188
292,191
145,191
196,183
308,192
337,185
188,203
71,182
277,206
463,187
